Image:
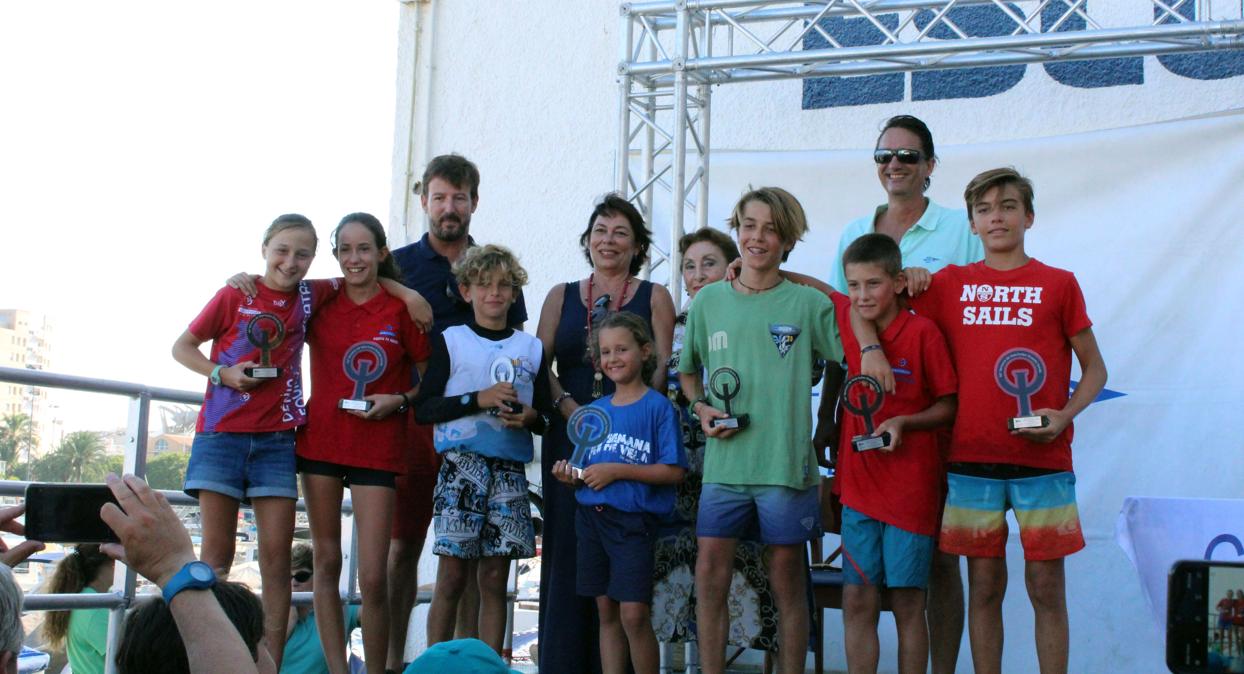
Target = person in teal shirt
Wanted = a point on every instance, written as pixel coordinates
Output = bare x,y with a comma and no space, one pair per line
82,633
929,235
303,654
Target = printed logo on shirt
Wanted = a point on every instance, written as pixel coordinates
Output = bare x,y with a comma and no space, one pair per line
999,315
784,337
929,259
388,331
279,303
387,334
718,341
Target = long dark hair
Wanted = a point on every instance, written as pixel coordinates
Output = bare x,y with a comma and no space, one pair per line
74,572
388,266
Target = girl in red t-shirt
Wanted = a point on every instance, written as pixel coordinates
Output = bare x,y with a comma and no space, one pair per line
363,347
243,447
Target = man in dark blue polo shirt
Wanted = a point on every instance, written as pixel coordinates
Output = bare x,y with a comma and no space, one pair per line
449,196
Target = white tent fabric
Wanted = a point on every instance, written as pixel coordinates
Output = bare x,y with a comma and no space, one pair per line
1149,219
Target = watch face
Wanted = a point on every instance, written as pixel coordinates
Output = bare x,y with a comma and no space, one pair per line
465,399
201,572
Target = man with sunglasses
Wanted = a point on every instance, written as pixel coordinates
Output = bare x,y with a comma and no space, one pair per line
302,642
449,195
930,237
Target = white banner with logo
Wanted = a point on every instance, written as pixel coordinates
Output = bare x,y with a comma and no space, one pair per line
1151,220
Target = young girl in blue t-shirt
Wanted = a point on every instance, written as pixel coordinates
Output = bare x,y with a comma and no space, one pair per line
627,484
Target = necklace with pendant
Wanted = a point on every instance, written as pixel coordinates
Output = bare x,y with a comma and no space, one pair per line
598,377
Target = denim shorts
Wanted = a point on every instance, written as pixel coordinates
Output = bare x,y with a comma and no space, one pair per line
783,515
243,466
880,554
616,551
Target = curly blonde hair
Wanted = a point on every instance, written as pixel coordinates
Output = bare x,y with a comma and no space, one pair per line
480,262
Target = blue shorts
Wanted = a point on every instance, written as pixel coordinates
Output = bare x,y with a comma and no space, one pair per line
616,551
480,508
876,553
243,466
784,516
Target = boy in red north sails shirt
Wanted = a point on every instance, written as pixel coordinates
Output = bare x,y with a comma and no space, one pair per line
1012,324
891,496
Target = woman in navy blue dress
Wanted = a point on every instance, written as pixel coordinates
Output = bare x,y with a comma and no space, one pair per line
616,243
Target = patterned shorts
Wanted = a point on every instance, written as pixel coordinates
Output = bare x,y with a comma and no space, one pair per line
480,508
974,522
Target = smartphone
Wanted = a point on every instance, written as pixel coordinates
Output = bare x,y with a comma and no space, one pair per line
1205,617
67,513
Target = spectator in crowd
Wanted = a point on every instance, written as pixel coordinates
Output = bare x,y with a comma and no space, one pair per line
81,633
11,631
302,647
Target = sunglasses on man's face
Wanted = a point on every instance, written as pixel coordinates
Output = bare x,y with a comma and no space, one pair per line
600,308
883,157
451,291
301,576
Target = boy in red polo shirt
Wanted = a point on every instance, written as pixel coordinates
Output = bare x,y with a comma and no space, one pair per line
891,496
1012,324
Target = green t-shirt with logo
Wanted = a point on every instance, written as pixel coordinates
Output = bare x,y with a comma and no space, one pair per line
769,339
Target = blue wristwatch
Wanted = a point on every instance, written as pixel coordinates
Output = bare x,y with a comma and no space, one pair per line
193,576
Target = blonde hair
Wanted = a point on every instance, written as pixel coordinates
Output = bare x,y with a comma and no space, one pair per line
480,262
788,216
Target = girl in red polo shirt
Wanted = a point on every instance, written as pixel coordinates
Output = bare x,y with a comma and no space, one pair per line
363,344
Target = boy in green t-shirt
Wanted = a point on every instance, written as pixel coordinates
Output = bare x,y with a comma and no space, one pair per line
756,337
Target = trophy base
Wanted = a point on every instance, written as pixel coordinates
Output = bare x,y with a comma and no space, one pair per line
1017,423
864,443
355,405
740,422
262,372
578,472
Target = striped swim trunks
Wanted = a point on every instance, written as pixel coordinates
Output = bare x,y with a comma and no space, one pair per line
974,522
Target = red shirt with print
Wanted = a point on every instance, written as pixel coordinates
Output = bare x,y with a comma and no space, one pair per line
274,405
337,436
901,488
1009,334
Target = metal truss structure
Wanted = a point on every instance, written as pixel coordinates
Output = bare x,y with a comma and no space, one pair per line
674,51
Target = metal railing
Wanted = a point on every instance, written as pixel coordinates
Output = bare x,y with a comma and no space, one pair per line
118,601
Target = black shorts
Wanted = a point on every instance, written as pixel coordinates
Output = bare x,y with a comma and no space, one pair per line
349,475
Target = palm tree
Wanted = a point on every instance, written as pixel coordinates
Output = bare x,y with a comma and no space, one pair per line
80,449
16,434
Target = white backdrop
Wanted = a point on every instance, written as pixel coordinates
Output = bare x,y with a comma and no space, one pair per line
1149,219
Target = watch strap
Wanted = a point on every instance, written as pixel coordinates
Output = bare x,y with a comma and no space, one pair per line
194,575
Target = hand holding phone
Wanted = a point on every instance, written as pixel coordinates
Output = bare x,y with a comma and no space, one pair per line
8,523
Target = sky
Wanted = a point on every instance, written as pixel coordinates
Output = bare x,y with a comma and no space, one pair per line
145,146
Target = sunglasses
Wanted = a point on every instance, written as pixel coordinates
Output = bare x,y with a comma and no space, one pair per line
904,156
451,291
600,308
301,576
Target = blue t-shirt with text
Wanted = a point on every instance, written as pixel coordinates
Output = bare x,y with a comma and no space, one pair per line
644,432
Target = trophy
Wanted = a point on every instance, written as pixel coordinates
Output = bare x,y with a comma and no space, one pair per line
502,370
725,384
362,370
265,341
864,408
587,428
1021,383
